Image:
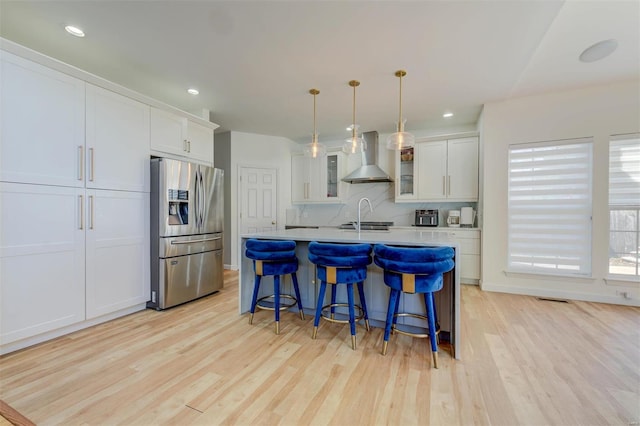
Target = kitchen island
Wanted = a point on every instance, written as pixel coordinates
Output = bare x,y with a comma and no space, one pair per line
376,292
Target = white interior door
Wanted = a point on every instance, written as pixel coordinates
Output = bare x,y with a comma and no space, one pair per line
259,205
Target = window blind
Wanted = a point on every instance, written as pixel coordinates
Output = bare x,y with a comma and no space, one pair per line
624,171
549,207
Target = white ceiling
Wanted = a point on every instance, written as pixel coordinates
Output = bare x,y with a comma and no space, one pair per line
255,61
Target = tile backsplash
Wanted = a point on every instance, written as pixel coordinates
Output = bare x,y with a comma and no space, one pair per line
382,198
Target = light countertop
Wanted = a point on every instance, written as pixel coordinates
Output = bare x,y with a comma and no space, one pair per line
405,236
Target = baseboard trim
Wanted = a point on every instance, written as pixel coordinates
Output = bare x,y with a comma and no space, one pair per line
6,348
559,294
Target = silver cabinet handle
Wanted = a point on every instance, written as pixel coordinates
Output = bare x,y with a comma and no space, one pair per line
81,203
91,164
449,185
188,146
204,240
184,145
443,186
80,162
91,212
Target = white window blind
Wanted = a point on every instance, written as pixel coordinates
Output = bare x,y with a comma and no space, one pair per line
624,206
624,171
549,207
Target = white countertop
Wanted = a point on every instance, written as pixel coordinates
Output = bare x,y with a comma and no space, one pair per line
415,236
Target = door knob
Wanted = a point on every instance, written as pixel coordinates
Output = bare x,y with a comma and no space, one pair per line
273,222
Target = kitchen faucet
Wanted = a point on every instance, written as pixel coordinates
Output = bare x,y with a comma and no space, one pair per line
359,209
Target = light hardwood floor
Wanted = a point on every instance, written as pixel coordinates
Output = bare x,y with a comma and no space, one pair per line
524,361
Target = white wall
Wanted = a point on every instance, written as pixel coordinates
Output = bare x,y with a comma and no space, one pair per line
596,112
252,150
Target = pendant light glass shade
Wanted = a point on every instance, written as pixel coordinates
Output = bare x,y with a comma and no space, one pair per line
354,144
400,139
314,149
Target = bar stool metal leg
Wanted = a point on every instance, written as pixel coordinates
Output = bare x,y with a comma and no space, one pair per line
394,296
254,299
276,291
316,321
352,316
296,288
364,305
432,327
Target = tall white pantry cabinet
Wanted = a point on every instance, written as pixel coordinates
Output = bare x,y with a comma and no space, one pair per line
74,201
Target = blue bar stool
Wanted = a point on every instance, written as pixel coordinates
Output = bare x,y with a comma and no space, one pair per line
341,264
413,270
273,257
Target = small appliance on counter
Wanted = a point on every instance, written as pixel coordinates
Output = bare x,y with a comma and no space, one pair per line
426,218
467,217
453,220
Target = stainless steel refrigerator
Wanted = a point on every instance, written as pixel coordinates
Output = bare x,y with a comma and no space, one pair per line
186,232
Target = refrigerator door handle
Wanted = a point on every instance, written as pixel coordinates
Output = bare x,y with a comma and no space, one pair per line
203,240
202,198
196,200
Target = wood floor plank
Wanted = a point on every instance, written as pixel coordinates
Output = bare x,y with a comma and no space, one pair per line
524,361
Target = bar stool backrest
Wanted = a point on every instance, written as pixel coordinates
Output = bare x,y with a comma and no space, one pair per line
340,255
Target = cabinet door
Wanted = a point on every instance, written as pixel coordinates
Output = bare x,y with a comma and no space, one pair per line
117,141
462,169
300,178
117,251
432,170
168,132
200,142
406,172
41,259
42,137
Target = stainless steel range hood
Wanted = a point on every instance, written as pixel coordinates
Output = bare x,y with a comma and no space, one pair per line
369,172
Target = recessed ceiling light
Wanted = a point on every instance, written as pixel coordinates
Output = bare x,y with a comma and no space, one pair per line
193,91
74,31
447,114
598,51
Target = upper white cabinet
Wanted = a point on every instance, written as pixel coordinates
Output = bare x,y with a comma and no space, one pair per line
438,170
176,135
117,141
58,130
43,123
317,180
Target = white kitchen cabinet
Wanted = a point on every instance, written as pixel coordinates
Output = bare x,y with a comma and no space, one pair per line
43,124
180,137
42,255
317,180
117,250
442,170
469,240
432,170
117,141
74,156
462,169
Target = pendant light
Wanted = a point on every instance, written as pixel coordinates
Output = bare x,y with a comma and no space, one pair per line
401,139
314,149
354,144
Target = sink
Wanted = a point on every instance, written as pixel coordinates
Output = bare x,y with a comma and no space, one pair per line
368,226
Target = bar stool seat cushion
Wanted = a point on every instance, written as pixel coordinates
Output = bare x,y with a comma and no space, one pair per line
270,250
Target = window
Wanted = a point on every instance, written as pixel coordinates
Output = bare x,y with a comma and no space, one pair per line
549,207
624,205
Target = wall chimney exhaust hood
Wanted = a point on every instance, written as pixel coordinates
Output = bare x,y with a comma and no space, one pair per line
369,172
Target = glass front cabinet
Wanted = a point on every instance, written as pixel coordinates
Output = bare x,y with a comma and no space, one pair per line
405,172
